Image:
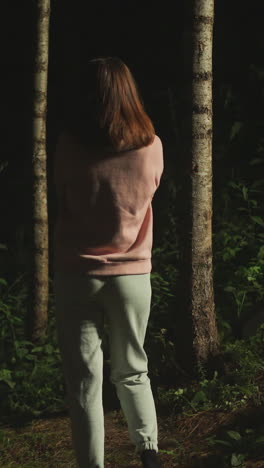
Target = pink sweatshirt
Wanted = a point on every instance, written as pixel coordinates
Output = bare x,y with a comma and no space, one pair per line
105,222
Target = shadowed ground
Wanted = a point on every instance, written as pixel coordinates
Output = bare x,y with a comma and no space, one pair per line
182,440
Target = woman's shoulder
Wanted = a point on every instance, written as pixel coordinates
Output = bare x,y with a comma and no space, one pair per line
157,140
156,143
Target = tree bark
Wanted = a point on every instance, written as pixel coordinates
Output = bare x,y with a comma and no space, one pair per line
38,315
206,341
199,321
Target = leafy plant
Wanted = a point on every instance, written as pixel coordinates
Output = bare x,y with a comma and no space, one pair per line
239,387
30,376
238,255
240,444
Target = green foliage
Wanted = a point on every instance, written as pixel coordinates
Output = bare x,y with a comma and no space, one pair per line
239,387
30,376
240,444
238,255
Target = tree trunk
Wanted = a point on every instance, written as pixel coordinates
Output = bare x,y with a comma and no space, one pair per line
206,340
201,344
38,315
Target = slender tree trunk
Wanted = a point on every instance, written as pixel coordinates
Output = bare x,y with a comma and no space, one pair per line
198,314
206,341
37,318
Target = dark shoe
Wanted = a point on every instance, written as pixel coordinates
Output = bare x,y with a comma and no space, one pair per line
150,459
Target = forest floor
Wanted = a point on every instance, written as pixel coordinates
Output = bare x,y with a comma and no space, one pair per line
184,440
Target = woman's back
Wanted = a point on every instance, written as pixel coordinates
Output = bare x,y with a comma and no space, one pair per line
104,223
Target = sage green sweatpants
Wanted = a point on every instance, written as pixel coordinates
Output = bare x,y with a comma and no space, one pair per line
82,304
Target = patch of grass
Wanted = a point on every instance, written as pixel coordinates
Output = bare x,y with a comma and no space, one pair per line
240,385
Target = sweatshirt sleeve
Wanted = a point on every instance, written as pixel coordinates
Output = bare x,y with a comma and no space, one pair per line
159,162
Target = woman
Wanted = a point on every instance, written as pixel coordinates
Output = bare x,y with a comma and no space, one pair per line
108,164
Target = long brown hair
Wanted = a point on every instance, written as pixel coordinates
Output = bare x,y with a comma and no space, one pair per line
109,110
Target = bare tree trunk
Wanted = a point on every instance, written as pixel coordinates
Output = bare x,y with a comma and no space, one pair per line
201,343
206,341
38,315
